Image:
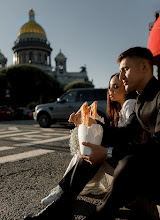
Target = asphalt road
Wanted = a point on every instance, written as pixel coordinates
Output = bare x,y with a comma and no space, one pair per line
33,161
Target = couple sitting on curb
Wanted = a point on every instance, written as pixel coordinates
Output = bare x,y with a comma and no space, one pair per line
133,158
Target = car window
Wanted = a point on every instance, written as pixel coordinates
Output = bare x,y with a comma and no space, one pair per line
87,95
101,94
70,96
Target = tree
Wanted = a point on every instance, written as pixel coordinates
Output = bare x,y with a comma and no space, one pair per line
3,86
28,83
78,84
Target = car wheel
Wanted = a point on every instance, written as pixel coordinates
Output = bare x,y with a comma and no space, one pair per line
44,120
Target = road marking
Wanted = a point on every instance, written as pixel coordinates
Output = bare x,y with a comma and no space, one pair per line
36,137
25,155
7,132
6,148
48,129
42,141
18,134
25,138
58,134
13,128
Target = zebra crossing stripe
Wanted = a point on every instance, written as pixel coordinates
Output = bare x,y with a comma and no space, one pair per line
42,141
13,128
18,134
6,148
7,132
25,155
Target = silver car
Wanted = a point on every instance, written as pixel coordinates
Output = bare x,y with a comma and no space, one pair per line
71,101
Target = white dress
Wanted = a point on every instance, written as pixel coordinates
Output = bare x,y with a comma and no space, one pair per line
126,111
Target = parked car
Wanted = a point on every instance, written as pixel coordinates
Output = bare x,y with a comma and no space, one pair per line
23,113
71,101
6,113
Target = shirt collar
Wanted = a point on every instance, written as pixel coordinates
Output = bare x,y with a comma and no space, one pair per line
149,90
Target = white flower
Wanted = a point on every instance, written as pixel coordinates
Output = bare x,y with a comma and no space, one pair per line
73,141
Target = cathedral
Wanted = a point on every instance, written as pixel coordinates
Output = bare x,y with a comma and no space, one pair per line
32,47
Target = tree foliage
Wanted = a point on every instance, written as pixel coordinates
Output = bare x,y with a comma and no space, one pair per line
78,84
27,84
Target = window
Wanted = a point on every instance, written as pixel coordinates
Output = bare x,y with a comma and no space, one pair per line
101,94
70,96
30,57
39,58
45,59
23,58
60,66
86,95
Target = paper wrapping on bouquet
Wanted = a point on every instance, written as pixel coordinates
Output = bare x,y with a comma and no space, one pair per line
92,134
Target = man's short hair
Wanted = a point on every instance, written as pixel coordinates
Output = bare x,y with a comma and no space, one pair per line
141,52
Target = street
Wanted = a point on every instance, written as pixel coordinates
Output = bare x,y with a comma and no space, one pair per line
33,161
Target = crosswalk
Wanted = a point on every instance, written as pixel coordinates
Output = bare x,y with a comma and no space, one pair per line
14,138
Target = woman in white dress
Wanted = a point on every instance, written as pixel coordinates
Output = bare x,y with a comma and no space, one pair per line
120,106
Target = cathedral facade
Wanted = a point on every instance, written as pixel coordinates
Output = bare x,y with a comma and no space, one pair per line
32,47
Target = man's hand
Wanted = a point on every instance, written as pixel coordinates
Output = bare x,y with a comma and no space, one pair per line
97,156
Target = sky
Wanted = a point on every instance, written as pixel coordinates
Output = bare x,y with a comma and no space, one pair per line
88,32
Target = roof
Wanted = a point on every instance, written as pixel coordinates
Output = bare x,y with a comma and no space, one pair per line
32,27
60,56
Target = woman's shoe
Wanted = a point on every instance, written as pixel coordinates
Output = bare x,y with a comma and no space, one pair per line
31,216
94,189
53,196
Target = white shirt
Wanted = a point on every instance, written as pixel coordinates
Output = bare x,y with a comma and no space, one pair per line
126,111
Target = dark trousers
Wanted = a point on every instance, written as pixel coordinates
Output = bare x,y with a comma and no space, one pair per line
134,177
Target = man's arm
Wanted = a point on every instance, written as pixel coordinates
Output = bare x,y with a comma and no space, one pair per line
121,135
118,138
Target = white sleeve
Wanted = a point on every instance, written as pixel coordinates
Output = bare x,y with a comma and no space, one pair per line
129,108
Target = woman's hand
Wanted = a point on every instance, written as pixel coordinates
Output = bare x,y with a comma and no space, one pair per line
76,119
98,155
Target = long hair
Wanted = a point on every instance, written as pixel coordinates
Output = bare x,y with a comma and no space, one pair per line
113,107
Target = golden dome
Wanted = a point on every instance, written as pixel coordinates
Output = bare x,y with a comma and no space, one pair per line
31,27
